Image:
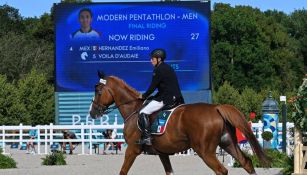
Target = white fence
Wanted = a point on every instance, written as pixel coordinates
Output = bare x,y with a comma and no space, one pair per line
257,129
49,134
87,134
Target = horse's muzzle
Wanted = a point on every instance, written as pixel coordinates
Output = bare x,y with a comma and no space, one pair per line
94,112
97,111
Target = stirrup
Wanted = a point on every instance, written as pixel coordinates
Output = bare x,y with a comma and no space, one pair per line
146,141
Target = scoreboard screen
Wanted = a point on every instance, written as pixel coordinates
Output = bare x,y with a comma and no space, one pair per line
118,38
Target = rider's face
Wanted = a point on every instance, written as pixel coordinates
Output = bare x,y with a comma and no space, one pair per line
154,61
85,19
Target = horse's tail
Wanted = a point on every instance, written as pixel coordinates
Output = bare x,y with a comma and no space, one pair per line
237,119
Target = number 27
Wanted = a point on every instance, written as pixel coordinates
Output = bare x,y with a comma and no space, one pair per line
194,36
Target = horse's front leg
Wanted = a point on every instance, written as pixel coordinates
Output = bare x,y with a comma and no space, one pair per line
130,155
166,164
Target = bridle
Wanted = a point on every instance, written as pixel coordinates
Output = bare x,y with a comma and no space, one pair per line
105,109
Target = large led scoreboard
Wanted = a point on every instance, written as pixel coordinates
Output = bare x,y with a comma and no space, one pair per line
117,38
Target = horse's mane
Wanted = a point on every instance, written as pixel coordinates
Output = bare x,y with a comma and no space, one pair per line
129,88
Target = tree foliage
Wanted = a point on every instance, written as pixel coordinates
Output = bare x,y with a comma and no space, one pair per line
29,101
252,52
38,98
251,48
297,28
20,53
299,107
226,94
247,101
10,20
12,112
41,28
250,101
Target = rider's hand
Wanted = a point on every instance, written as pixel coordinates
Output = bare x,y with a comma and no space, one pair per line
140,96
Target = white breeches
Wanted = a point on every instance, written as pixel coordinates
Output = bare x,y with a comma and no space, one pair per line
152,107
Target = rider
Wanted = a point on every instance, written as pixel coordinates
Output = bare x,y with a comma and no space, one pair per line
164,78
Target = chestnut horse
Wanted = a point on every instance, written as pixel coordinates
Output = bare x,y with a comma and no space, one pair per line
199,126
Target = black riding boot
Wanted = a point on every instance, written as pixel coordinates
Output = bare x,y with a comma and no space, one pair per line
145,128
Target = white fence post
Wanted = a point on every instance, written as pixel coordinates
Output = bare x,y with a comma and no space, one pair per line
82,138
289,125
91,144
51,133
20,134
3,139
38,140
46,137
260,139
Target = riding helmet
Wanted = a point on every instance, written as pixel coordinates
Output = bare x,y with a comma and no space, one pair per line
158,53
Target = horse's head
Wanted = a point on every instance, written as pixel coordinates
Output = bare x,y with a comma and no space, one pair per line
103,97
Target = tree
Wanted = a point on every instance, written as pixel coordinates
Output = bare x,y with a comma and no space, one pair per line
38,97
250,101
20,53
297,28
41,28
251,48
12,112
299,107
10,20
226,94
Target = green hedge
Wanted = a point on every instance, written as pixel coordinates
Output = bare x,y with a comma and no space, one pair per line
56,158
6,161
279,160
267,135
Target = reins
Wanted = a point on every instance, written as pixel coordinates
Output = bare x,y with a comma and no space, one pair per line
134,112
108,109
103,109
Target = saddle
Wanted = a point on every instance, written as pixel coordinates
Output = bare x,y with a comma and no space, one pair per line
158,120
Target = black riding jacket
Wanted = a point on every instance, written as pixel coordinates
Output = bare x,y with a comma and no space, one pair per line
164,78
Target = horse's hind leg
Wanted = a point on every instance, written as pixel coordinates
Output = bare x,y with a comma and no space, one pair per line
234,150
130,155
209,157
166,164
212,161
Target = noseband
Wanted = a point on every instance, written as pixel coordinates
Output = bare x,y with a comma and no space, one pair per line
100,108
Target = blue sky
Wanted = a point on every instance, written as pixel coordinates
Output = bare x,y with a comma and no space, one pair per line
31,8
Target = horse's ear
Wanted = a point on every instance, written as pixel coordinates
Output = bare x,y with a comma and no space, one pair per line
101,74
